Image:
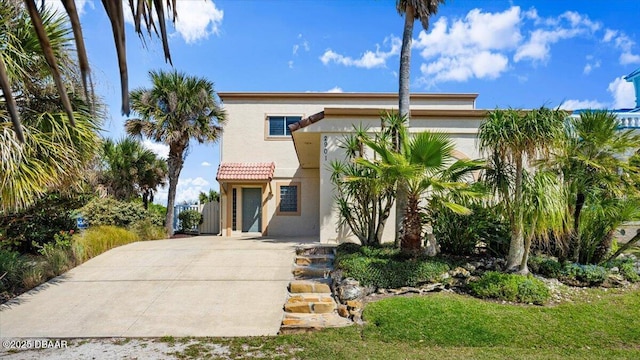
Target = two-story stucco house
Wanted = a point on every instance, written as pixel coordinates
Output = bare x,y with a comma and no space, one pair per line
276,147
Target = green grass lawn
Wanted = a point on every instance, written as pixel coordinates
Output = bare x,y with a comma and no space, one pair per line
606,325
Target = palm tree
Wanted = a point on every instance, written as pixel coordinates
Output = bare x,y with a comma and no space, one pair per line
544,211
412,10
55,155
142,11
130,170
426,165
515,137
591,160
176,109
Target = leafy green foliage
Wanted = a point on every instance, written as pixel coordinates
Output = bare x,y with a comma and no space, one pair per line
387,267
12,267
189,219
109,211
459,234
511,287
578,274
545,266
98,239
37,225
147,229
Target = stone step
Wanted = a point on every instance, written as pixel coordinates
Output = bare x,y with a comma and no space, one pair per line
310,304
305,260
309,286
300,323
312,271
316,250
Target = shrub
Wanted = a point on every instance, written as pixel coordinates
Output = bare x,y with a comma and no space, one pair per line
189,219
12,268
147,229
96,240
510,287
109,211
545,266
386,267
578,274
626,267
38,224
460,234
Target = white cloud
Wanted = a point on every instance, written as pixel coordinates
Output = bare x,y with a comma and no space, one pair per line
624,44
57,6
159,149
290,63
582,104
566,26
187,190
590,65
335,89
205,163
196,20
369,59
623,93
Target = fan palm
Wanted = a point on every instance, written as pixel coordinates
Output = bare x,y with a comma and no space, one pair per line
142,11
175,110
514,137
412,10
591,159
130,170
424,165
55,154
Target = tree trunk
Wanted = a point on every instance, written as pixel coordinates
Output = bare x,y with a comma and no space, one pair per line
383,215
603,248
524,267
516,247
574,239
624,247
404,106
174,164
411,241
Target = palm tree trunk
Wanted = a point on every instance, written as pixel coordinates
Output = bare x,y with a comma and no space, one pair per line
574,239
524,268
411,241
174,164
516,247
404,106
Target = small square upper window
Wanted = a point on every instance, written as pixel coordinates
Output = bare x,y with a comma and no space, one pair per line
279,125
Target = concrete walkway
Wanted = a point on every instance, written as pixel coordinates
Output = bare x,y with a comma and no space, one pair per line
200,286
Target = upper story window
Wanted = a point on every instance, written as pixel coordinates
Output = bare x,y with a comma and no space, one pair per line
279,125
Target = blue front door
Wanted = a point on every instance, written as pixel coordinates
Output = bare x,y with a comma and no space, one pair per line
251,209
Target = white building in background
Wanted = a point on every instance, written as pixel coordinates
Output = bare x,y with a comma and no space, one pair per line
276,147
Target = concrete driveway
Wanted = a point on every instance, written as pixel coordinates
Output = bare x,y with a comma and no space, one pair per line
199,286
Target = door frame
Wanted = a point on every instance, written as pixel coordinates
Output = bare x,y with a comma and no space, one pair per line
229,208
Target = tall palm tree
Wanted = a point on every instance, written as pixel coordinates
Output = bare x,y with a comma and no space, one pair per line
55,155
130,170
427,166
516,137
175,110
412,10
591,159
142,11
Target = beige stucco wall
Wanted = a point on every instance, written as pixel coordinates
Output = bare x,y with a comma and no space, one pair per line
245,140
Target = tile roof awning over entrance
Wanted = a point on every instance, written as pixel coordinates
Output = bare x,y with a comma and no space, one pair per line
246,171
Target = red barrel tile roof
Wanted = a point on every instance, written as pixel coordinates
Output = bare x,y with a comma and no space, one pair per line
245,171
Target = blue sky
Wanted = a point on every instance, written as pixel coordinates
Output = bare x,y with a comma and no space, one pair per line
520,54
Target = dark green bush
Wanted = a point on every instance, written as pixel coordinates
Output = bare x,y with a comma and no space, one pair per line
510,287
109,211
386,267
38,224
545,266
460,234
189,219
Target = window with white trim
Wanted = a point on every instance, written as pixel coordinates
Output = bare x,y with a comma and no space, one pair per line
279,125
